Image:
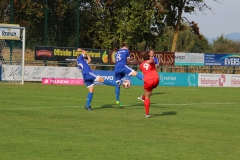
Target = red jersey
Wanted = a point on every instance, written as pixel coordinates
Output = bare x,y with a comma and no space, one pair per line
149,70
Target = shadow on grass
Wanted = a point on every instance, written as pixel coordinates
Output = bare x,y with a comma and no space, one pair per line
132,106
115,106
157,93
170,113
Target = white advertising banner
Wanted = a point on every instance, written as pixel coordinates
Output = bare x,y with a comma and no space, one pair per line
189,59
213,80
10,33
36,73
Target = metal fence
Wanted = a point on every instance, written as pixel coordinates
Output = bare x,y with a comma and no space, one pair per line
47,22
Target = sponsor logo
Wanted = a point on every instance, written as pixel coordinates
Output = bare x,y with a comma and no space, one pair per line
192,76
232,61
62,81
222,80
167,78
108,77
235,81
214,82
208,81
179,57
42,53
9,33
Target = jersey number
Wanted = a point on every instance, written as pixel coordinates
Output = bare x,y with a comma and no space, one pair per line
146,66
118,57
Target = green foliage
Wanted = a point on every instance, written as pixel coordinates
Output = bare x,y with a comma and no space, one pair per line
173,11
225,45
104,23
132,22
187,42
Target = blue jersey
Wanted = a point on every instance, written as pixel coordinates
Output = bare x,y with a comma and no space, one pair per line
82,65
121,58
155,60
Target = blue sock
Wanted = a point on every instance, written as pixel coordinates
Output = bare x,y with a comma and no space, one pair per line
110,83
117,93
89,98
139,76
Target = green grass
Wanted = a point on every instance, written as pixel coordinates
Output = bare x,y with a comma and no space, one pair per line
43,122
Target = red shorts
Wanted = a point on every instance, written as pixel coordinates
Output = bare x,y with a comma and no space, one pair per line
150,84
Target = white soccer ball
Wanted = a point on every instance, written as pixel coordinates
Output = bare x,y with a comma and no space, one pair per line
126,84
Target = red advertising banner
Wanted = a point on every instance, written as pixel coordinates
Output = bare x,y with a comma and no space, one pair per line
164,58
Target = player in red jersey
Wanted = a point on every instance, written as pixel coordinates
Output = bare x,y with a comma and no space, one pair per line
151,80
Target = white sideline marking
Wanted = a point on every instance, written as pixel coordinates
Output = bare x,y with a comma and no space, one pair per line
173,104
44,107
192,104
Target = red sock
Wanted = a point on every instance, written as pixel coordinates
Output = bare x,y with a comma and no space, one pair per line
147,105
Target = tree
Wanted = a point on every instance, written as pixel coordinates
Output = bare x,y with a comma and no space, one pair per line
187,42
225,45
174,10
129,21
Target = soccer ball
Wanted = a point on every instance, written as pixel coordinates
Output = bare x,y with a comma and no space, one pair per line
126,84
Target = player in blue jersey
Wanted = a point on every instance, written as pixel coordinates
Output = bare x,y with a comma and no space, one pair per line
121,69
89,77
152,56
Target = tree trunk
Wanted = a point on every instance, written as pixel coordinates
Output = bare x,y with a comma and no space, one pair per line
175,39
176,30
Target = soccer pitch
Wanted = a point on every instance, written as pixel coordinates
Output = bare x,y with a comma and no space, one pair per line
43,122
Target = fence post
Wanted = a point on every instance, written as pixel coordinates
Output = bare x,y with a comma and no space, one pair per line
77,24
11,21
45,25
234,70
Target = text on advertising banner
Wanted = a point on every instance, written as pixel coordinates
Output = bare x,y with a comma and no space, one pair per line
213,80
62,81
222,60
234,80
136,57
69,54
109,75
178,79
218,80
189,59
36,73
172,79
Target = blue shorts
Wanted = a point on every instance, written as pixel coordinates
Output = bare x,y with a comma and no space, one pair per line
89,79
121,72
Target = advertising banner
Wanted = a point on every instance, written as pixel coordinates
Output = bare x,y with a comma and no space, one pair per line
213,80
62,81
37,73
172,79
9,33
53,53
178,79
164,58
189,59
222,60
109,75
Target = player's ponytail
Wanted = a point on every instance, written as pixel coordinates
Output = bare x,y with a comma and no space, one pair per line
124,44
